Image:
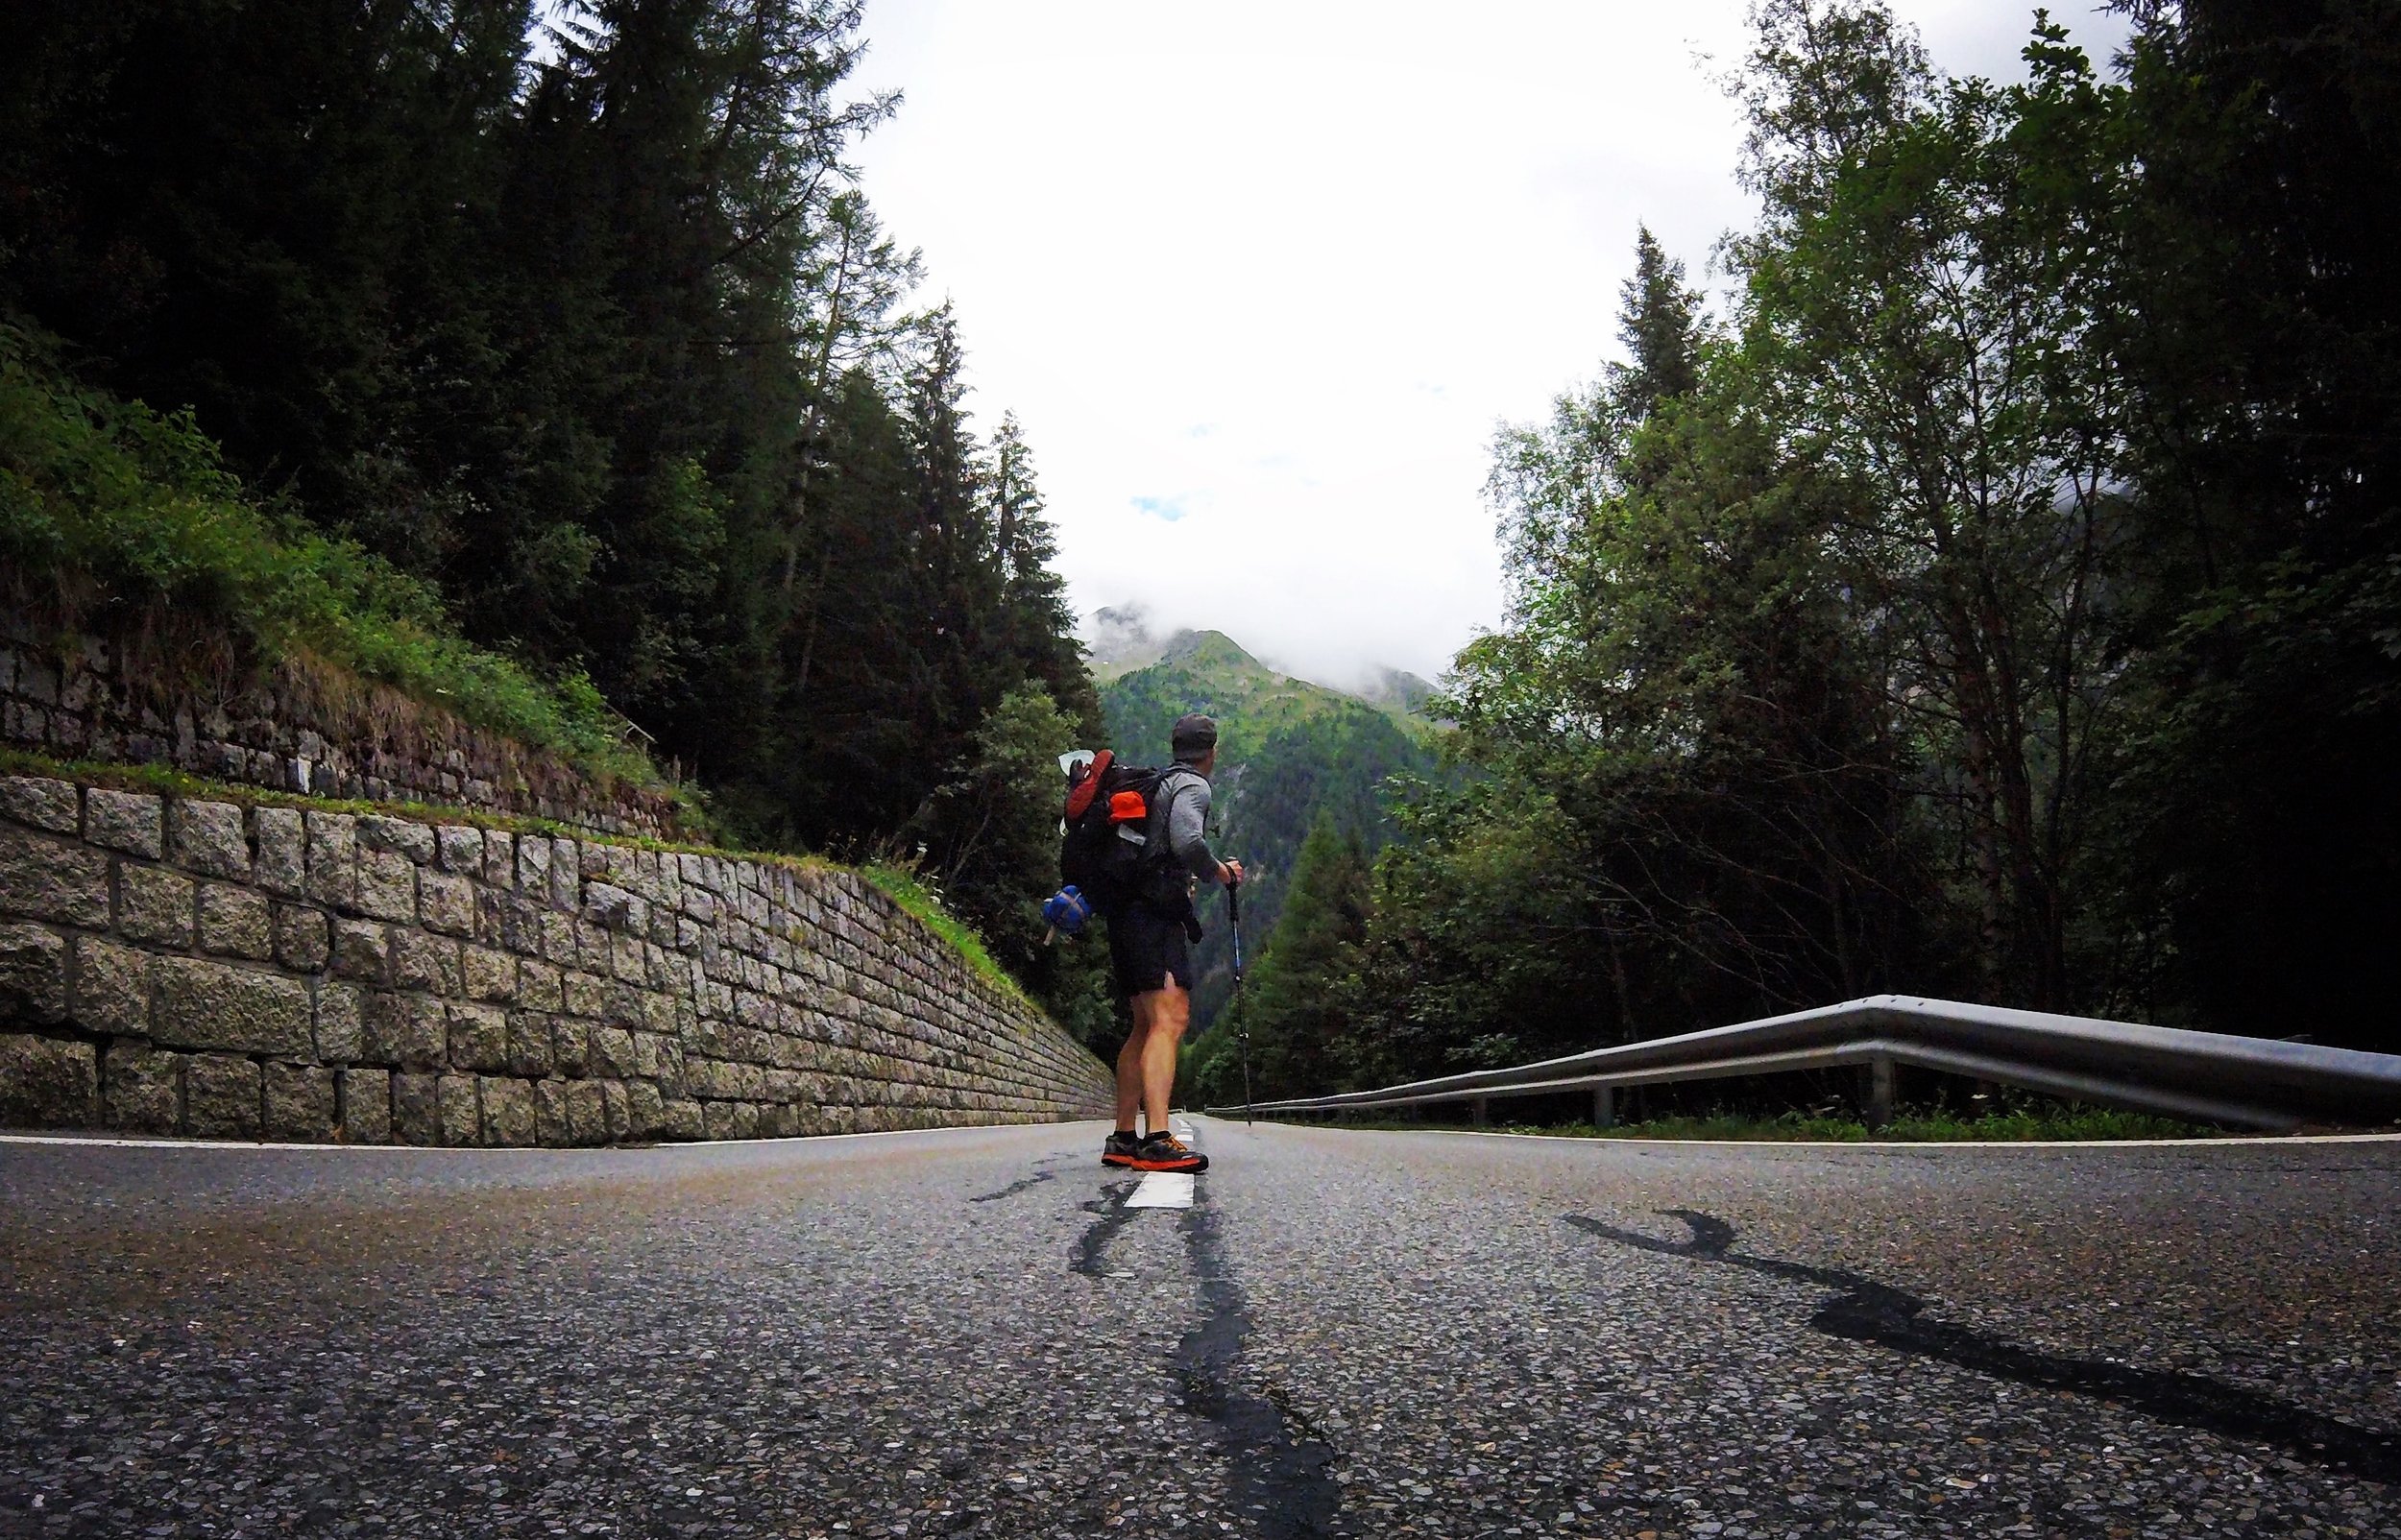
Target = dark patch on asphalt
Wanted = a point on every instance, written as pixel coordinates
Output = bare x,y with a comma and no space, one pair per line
1015,1187
1110,1215
1865,1311
1282,1471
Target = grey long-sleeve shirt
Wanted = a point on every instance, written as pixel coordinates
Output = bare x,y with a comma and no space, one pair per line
1187,823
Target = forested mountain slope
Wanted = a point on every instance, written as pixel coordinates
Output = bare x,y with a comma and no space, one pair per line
1292,755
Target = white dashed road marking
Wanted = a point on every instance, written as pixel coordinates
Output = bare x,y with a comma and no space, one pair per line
1162,1190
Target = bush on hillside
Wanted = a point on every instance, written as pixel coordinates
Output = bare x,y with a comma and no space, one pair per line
106,505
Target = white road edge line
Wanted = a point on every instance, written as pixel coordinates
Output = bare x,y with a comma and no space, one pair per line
1162,1190
171,1142
1886,1143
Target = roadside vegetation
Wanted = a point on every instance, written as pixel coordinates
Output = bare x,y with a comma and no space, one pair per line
116,517
1991,590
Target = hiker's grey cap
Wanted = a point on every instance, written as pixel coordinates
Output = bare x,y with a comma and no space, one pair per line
1194,736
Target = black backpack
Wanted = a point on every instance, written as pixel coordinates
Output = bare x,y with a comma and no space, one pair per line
1106,850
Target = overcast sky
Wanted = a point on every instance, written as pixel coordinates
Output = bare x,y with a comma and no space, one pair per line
1262,278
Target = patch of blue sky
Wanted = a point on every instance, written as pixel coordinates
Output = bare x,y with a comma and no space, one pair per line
1166,510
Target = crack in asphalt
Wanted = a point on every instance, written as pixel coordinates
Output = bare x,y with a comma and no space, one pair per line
1282,1471
1015,1187
1865,1311
1091,1254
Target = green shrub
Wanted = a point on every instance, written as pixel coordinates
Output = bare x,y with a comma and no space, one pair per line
109,503
904,888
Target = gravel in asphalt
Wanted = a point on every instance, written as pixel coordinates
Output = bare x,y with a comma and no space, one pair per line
1352,1333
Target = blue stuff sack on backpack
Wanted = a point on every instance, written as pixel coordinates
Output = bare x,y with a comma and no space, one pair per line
1067,910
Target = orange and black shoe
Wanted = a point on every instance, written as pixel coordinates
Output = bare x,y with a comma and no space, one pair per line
1165,1152
1118,1149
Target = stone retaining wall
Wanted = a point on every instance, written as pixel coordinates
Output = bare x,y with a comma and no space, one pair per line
78,701
188,966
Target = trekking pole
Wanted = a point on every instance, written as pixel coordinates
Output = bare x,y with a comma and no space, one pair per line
1241,1023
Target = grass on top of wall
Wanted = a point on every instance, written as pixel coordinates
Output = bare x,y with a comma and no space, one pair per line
904,888
107,505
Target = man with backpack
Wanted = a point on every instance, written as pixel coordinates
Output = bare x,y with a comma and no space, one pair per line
1150,925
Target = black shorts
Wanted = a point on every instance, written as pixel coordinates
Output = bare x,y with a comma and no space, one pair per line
1146,949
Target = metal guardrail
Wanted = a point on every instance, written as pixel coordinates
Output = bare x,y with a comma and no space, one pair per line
2203,1076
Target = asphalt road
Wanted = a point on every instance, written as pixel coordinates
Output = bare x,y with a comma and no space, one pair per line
1347,1333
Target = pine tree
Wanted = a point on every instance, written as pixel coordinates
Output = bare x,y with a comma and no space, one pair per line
1660,324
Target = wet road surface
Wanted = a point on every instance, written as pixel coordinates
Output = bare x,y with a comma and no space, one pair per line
1352,1333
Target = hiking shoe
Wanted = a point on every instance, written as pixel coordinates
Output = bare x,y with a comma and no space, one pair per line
1165,1152
1118,1149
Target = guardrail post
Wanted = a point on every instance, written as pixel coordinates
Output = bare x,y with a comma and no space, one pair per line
1480,1110
1877,1086
1604,1107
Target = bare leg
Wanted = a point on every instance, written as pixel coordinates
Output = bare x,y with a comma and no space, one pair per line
1130,1065
1170,1013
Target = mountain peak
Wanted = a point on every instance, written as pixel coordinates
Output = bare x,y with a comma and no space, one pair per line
1213,649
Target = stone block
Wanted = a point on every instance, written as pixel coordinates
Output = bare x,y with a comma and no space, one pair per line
341,1022
515,924
112,987
411,1031
550,1121
387,885
44,803
683,1119
587,1113
488,974
533,866
332,878
234,922
416,1109
446,902
221,1096
233,1009
499,860
532,1039
566,875
130,821
209,837
420,961
398,837
461,1113
611,1054
50,879
538,986
644,1108
460,848
303,939
509,1116
612,1105
479,1038
282,865
587,995
155,904
47,1082
611,908
299,1100
362,952
367,1106
570,1045
33,975
142,1087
